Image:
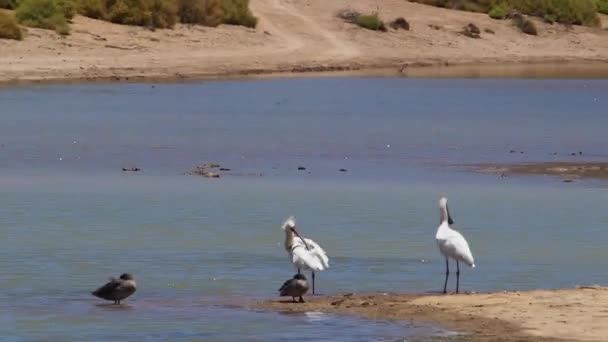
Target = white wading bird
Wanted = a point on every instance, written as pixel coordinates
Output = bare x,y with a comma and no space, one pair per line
451,244
304,253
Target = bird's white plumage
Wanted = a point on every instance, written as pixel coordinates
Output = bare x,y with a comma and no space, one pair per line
451,243
307,256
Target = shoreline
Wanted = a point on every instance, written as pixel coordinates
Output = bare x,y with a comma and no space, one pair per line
592,69
305,39
535,315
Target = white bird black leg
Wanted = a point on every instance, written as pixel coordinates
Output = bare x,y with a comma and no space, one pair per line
457,275
447,273
313,282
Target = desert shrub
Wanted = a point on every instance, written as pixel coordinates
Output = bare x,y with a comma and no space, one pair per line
128,12
46,14
9,4
202,12
549,18
67,7
9,29
498,12
95,9
237,12
149,13
602,6
578,12
370,22
163,13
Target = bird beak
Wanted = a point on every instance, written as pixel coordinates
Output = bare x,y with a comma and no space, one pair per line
298,235
450,221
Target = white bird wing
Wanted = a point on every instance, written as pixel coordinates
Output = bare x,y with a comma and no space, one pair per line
456,246
318,252
304,258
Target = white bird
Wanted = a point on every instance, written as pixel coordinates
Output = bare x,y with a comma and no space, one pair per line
451,244
304,253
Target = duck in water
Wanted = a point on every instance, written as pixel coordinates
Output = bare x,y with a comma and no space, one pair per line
117,289
295,287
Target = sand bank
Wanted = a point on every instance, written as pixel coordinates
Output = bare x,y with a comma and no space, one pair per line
579,314
566,170
293,38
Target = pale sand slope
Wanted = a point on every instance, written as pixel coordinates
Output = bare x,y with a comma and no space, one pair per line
293,35
543,315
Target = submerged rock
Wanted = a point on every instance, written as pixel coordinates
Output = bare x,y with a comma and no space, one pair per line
131,169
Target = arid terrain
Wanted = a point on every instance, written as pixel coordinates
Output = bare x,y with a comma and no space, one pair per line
292,37
579,314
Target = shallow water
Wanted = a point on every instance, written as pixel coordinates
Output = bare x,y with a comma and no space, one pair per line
200,248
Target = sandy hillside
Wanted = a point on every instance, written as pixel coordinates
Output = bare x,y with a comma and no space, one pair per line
292,36
545,315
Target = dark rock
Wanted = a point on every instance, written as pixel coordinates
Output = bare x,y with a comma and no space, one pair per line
567,181
512,151
471,31
301,168
343,170
400,23
224,169
131,169
487,30
349,15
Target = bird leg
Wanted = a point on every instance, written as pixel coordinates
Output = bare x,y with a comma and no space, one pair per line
447,273
301,299
457,275
293,299
119,302
313,282
298,270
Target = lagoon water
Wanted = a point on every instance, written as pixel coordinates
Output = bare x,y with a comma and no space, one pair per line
202,249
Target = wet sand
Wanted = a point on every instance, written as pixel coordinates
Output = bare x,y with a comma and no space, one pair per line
579,314
565,170
296,38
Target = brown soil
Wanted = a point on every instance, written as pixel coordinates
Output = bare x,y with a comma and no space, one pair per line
579,314
292,37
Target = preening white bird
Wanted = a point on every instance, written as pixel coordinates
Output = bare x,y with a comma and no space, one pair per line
305,254
451,244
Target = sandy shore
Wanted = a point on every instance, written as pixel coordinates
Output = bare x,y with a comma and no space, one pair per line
565,170
579,314
293,37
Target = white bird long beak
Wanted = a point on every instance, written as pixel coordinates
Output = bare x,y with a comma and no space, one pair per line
301,238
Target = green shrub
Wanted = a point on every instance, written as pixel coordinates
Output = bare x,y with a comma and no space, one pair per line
46,14
498,12
149,13
164,13
578,12
549,18
9,4
95,9
602,6
9,28
67,7
202,12
371,22
237,12
128,12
